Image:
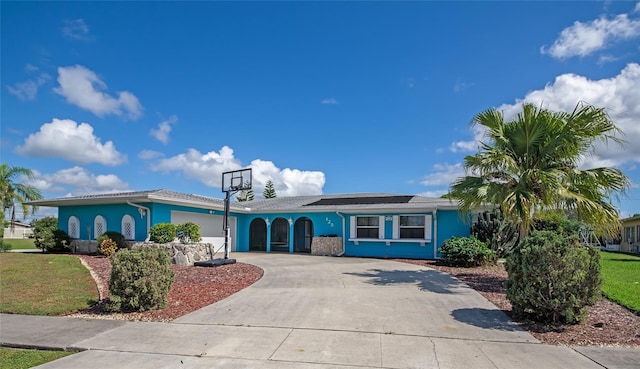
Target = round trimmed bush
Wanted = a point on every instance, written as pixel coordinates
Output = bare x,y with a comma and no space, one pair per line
108,247
466,252
188,232
163,233
117,237
552,278
140,280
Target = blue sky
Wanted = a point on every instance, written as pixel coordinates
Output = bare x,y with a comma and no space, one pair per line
320,97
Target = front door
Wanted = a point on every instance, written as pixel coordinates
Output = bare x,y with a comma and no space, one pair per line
258,235
302,235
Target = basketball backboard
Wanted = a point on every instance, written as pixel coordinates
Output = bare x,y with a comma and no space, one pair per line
236,180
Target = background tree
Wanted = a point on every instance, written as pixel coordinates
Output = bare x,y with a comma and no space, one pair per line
531,163
269,190
48,237
245,195
14,193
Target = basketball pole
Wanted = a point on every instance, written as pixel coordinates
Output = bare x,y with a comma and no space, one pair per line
225,225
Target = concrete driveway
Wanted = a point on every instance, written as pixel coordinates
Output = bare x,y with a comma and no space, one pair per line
356,295
321,312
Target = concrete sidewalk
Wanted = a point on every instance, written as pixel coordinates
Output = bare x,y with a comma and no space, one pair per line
315,312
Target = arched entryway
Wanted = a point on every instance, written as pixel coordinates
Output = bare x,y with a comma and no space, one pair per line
258,235
302,235
280,235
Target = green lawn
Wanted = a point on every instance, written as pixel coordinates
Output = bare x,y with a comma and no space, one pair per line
20,243
621,279
44,284
24,359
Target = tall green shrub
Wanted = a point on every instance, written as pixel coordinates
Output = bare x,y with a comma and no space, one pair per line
466,252
48,237
140,280
188,232
115,236
163,233
552,278
557,222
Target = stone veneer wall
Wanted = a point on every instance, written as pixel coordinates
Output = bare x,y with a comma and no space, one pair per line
326,246
84,246
182,254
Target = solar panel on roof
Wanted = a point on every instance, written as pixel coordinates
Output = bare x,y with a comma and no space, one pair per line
363,200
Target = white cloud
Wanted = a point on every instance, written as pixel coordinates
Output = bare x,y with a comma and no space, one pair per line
330,101
461,86
149,154
208,168
468,146
24,91
66,139
435,193
76,29
28,90
411,82
443,174
78,181
30,68
637,8
619,95
287,182
83,88
164,128
582,39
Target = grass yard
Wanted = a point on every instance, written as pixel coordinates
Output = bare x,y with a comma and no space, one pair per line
621,279
24,359
44,284
20,243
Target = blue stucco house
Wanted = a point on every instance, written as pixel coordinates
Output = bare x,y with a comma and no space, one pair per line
371,225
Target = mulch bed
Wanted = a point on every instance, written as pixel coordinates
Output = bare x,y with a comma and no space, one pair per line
606,324
192,289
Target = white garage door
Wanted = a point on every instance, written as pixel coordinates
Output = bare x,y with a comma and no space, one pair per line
210,226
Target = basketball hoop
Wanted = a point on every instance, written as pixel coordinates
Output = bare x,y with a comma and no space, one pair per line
232,182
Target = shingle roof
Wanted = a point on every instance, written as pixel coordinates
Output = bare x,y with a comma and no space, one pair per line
348,202
359,202
162,195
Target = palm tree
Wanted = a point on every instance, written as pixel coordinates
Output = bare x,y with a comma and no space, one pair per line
531,163
16,193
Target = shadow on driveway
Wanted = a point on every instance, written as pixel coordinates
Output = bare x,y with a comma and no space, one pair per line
485,318
427,280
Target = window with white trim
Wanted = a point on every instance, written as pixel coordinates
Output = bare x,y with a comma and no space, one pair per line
74,227
629,234
99,226
411,226
128,227
367,227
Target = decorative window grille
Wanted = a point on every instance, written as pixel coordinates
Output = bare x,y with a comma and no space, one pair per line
128,227
99,226
74,227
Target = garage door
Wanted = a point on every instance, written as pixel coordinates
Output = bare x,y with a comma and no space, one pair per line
210,226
